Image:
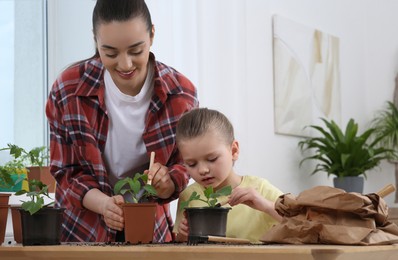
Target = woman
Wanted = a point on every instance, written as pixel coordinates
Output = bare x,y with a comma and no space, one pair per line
106,115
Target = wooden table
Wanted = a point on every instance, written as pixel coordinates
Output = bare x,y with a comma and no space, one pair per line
201,251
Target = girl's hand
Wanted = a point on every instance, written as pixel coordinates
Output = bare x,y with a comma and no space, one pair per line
161,180
183,230
247,196
113,213
253,199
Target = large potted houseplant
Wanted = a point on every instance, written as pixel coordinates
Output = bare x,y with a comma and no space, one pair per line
209,220
35,160
139,212
346,155
41,222
386,124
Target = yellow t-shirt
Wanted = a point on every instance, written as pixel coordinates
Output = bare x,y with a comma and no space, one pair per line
243,221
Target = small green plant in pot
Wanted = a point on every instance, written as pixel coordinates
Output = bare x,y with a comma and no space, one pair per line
8,181
11,177
36,162
139,213
41,223
135,189
347,155
209,220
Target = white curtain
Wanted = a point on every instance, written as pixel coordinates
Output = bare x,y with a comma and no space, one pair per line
207,41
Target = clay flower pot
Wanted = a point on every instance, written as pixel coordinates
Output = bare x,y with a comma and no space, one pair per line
3,221
4,198
43,174
16,224
207,221
139,222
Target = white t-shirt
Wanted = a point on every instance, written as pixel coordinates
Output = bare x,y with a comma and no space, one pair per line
125,151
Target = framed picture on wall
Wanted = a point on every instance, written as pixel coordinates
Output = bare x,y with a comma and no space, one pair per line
306,77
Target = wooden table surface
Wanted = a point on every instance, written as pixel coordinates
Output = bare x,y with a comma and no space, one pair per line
201,251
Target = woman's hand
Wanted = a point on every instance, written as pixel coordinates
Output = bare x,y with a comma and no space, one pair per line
113,213
95,200
161,180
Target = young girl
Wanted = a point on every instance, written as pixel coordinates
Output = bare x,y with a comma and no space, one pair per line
208,147
106,115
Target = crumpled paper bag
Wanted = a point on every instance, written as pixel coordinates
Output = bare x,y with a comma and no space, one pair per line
327,215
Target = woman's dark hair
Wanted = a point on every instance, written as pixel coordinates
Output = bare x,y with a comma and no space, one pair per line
106,11
200,121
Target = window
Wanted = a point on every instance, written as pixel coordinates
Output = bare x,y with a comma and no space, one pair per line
23,80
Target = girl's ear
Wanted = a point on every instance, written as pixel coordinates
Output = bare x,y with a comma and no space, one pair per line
235,150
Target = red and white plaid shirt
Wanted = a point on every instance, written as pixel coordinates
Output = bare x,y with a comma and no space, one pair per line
78,122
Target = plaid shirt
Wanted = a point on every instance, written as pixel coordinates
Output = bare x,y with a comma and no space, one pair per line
78,122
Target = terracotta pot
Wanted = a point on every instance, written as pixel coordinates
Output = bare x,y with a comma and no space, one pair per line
139,222
43,174
207,221
3,221
4,198
43,227
16,224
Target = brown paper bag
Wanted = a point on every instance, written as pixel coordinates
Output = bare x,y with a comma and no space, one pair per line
326,215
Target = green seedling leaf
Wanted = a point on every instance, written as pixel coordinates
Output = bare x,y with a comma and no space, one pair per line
133,186
224,191
36,193
208,192
211,196
150,189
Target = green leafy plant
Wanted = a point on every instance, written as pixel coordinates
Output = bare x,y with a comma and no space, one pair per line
344,154
6,180
386,127
37,192
37,156
210,196
9,176
136,188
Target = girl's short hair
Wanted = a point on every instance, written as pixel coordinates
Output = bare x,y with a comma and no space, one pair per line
200,121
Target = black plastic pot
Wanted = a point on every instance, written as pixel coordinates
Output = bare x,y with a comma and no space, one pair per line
41,228
207,221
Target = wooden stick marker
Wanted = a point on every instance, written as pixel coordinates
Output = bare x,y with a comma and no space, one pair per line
386,190
151,161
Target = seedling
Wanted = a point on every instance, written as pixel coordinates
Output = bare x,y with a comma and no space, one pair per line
210,194
9,175
36,157
37,192
136,188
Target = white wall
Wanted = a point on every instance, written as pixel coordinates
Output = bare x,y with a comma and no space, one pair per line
225,47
